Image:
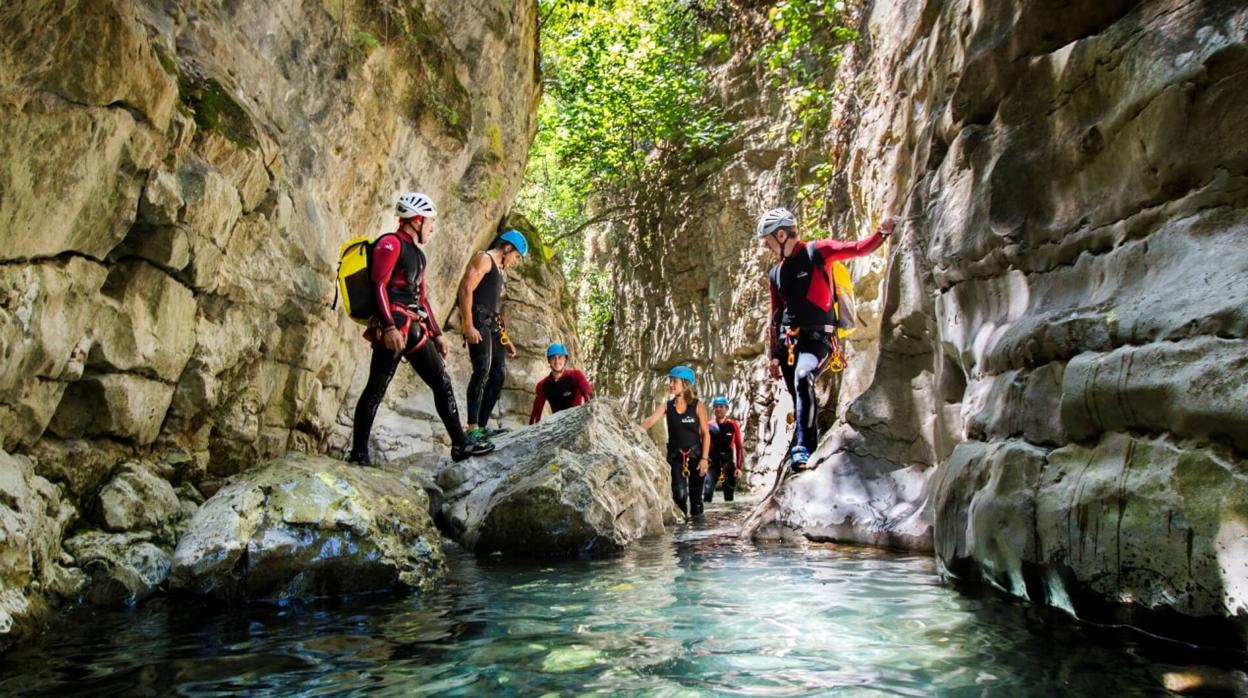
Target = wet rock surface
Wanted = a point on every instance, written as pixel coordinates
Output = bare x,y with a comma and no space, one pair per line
308,526
1053,342
584,482
178,179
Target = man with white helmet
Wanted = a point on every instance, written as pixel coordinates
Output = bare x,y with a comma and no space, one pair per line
803,316
405,327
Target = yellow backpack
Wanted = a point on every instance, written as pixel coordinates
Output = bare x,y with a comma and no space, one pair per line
355,285
843,284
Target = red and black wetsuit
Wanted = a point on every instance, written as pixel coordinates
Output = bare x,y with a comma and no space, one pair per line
489,356
569,390
727,456
397,268
803,296
684,453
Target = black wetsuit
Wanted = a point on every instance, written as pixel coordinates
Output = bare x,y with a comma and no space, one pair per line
723,458
684,452
398,269
802,298
489,356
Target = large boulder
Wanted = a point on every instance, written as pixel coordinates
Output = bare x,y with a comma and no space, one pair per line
586,482
309,526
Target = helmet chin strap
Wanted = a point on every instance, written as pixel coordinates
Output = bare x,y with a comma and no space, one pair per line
784,255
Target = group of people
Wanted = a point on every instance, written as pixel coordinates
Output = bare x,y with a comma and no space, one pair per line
404,327
703,453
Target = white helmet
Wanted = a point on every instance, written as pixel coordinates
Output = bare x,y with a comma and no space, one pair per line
415,204
773,220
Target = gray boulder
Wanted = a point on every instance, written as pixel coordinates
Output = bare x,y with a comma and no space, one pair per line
586,481
306,526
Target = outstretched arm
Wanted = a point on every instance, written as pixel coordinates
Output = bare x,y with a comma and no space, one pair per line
836,250
654,418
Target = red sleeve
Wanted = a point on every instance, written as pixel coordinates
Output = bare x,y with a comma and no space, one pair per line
583,387
736,442
835,250
539,401
385,257
777,312
434,329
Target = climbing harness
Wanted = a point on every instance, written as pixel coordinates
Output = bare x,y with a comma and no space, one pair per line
684,462
503,338
790,341
836,362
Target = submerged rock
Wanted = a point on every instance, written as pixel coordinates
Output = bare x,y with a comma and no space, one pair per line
586,481
309,526
121,567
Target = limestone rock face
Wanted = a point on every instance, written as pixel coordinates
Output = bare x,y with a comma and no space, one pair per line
1052,352
177,179
582,482
307,526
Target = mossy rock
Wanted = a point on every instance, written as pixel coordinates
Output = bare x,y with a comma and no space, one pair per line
214,109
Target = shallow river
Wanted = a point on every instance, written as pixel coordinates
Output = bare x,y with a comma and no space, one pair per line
694,613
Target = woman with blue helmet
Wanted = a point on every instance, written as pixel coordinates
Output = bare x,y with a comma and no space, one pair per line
485,330
563,388
688,439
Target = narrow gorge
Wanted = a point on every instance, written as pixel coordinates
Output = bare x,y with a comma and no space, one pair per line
1045,399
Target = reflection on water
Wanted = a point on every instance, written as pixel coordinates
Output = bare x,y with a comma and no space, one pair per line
694,613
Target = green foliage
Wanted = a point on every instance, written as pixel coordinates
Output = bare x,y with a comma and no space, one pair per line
365,42
624,81
802,58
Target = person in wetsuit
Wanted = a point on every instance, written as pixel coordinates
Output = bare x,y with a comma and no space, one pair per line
803,313
688,439
563,388
727,453
480,308
405,327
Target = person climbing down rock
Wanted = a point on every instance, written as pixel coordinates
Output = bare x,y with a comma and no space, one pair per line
727,453
563,388
688,439
485,328
404,326
803,313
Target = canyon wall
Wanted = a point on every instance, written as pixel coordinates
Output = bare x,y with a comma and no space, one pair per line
1049,390
177,179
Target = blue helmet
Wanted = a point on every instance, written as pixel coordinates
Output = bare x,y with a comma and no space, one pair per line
516,238
556,349
719,401
682,372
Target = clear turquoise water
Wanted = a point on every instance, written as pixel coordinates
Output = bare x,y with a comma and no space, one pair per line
695,613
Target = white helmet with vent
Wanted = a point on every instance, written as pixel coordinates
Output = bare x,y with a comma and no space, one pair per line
774,220
414,204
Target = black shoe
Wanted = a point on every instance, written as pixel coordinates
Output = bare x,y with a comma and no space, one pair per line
469,449
360,459
491,433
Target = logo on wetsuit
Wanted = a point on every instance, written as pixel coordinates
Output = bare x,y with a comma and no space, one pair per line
688,419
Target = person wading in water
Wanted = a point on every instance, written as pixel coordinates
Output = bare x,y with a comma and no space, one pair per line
563,388
485,329
688,439
727,452
404,327
803,315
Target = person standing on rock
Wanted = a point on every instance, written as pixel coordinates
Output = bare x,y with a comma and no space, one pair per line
563,388
803,315
687,436
405,327
727,452
485,329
